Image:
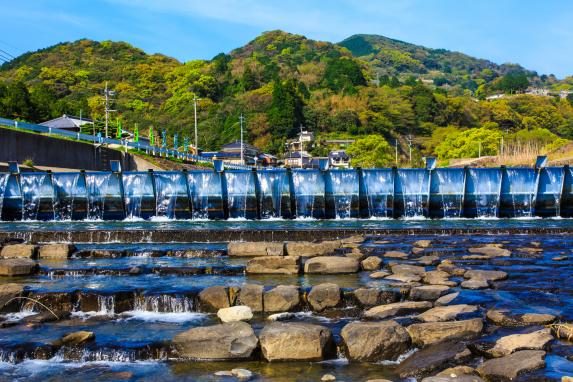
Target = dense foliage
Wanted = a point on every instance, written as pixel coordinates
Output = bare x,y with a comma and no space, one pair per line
366,86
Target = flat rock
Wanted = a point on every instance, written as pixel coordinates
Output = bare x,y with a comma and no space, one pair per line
397,309
371,263
438,278
486,275
56,251
75,338
286,265
491,251
434,332
214,298
17,267
457,371
454,378
252,296
379,274
233,340
428,260
407,279
242,374
422,243
530,341
428,292
407,269
331,265
431,358
509,367
446,313
396,255
9,292
475,284
503,317
19,251
296,341
324,296
310,249
374,341
235,313
256,249
281,298
447,299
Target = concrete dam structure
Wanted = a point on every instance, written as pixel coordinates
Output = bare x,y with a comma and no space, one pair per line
289,193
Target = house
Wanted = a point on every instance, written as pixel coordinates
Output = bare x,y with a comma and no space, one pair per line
339,159
298,159
301,142
267,160
231,153
69,122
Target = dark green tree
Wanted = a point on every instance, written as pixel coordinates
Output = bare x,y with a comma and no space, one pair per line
343,74
286,111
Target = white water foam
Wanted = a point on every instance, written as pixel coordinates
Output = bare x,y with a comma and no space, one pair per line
401,358
163,317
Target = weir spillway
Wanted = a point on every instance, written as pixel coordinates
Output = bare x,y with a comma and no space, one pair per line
289,193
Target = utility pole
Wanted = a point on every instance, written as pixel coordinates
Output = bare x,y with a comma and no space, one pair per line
396,146
300,146
108,95
241,119
410,147
479,150
195,99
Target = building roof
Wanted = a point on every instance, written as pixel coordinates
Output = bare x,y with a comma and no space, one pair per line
297,154
237,145
67,122
338,154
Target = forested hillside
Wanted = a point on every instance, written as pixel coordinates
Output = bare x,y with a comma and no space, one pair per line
370,87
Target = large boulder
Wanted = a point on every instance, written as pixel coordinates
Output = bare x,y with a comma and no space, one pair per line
331,265
56,251
502,317
17,267
397,309
19,251
428,292
446,313
310,249
286,265
251,295
530,341
213,298
233,340
256,249
434,332
296,342
235,313
374,341
372,296
324,296
491,251
281,298
510,367
8,294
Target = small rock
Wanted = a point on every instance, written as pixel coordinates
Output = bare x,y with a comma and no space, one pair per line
281,298
428,292
331,265
491,251
242,374
397,309
406,269
75,339
447,299
428,260
328,377
509,367
486,275
214,298
407,279
235,313
438,278
475,284
434,332
566,379
324,296
560,258
423,243
379,274
417,251
530,341
371,263
456,371
372,296
224,373
446,313
396,255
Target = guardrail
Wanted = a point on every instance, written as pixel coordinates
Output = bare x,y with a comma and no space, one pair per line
151,150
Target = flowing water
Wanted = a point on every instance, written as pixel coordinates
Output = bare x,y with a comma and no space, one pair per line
274,194
3,183
483,192
344,190
517,192
309,191
36,190
172,198
413,189
69,195
139,195
447,192
206,193
241,194
379,190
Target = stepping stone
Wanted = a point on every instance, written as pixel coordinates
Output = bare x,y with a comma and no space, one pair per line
379,274
285,265
397,309
374,341
331,265
371,263
491,251
503,317
434,332
281,298
296,341
324,296
235,313
428,292
396,255
432,358
510,367
530,341
446,313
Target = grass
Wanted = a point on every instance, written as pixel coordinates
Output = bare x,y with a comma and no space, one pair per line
563,330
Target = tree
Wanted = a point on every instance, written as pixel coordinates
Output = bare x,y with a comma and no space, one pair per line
470,143
286,112
17,103
370,151
513,82
343,74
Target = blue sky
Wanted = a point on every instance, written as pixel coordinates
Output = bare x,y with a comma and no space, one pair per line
535,34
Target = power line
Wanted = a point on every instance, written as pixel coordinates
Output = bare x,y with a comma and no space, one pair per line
7,54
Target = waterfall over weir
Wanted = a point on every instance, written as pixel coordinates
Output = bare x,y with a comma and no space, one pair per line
284,193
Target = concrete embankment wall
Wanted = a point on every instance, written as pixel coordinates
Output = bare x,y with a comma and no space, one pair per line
53,152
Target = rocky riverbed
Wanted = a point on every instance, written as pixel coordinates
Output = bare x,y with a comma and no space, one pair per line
433,308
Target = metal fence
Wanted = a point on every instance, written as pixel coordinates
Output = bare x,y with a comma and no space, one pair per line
151,150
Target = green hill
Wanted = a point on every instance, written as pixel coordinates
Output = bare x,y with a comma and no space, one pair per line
362,86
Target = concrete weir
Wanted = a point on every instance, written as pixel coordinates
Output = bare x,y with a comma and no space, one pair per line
218,236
